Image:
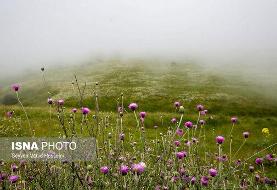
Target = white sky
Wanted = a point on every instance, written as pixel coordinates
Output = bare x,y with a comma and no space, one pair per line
36,32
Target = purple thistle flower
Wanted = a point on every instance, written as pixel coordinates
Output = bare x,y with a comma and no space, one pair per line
122,136
133,106
177,143
193,180
174,179
119,109
61,102
202,122
223,158
245,134
188,143
213,172
251,169
269,157
74,110
142,114
204,181
124,169
104,169
89,180
257,177
14,167
138,168
173,120
200,107
194,140
181,155
15,87
202,113
3,176
188,124
85,110
13,178
220,139
234,120
50,101
259,161
177,104
9,114
179,132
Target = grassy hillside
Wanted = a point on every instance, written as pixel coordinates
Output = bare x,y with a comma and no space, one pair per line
154,84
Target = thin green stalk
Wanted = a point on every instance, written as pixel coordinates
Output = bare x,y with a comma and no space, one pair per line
26,115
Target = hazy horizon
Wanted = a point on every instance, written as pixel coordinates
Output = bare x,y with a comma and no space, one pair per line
37,33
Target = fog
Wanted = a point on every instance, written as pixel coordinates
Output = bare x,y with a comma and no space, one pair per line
37,33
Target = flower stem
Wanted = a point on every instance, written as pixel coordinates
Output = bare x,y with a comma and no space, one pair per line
26,115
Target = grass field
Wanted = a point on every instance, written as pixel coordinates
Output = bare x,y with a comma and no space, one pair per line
154,87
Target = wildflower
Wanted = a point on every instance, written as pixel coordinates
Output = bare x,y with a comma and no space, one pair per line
182,171
85,111
202,122
193,180
133,106
223,158
204,181
265,131
200,107
50,101
234,120
245,134
259,161
122,136
188,143
138,168
251,169
22,163
220,139
213,172
181,109
194,140
104,169
257,177
238,162
177,104
119,109
60,102
179,132
14,167
13,178
177,143
173,120
202,113
142,114
15,87
188,124
3,176
74,110
181,155
9,114
124,169
89,180
155,127
89,167
269,157
174,179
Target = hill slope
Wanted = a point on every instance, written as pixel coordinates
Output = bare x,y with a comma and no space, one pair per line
154,84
